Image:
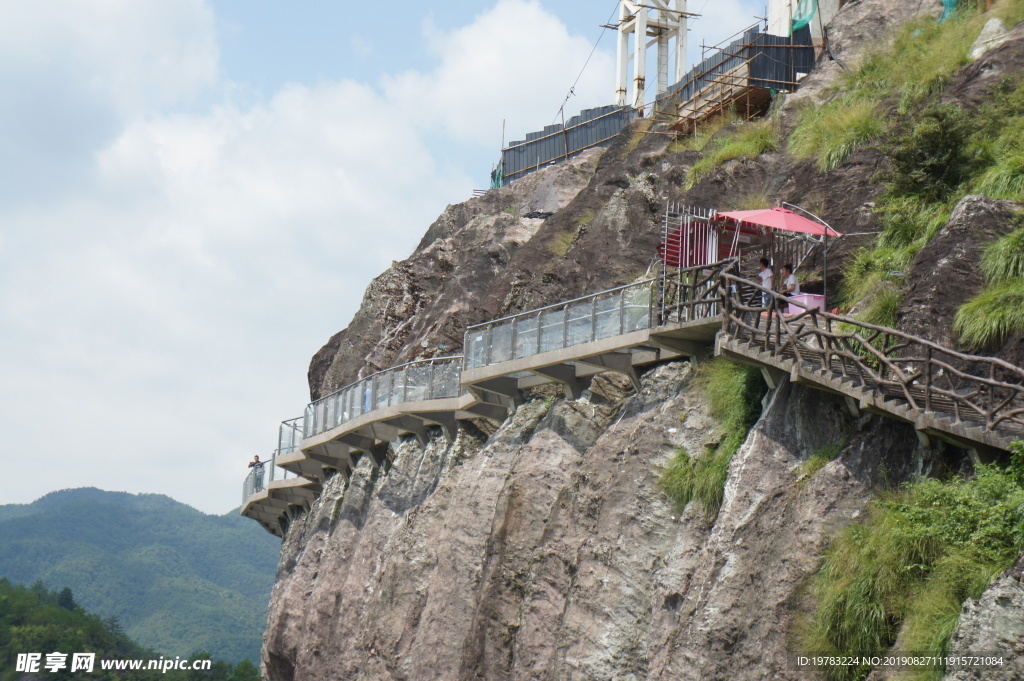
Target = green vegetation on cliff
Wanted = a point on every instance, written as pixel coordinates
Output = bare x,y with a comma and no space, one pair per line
179,580
35,620
734,395
901,576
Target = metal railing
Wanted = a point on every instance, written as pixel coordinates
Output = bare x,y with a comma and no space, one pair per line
259,478
905,369
289,436
428,379
607,314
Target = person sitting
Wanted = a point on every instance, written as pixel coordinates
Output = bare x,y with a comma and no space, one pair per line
766,274
790,285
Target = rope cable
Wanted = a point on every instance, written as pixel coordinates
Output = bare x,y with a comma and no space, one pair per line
572,89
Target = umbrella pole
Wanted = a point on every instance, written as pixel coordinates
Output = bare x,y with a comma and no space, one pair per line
824,271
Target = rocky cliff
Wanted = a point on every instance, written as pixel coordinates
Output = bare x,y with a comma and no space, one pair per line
543,547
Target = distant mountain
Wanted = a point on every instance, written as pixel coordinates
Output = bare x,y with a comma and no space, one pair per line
177,579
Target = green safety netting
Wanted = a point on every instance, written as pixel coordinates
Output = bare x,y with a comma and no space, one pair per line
950,7
803,14
498,176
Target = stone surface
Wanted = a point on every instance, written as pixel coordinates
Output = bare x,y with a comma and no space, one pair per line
549,551
993,625
992,35
945,273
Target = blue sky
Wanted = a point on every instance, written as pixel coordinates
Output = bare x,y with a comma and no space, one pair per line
195,194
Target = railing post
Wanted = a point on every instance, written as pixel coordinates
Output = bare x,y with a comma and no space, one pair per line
593,319
989,413
430,381
928,380
540,331
487,343
622,311
565,327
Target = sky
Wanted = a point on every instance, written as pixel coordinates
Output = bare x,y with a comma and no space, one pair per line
195,194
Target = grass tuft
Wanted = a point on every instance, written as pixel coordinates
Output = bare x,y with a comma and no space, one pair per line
991,317
907,569
818,460
706,130
834,131
748,142
1004,259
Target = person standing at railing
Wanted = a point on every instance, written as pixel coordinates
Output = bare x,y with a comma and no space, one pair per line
790,285
257,473
766,275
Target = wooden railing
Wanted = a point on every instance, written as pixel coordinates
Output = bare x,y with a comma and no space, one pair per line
970,389
692,293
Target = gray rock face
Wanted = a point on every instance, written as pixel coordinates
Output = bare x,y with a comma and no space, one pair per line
993,625
548,551
946,272
993,34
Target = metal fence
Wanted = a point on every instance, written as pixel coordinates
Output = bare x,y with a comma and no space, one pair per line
602,315
773,61
591,128
429,379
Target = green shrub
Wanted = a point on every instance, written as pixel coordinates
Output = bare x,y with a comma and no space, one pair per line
1004,259
748,142
907,569
734,395
932,159
833,132
997,313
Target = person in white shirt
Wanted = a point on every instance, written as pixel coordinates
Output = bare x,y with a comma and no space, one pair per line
766,275
790,286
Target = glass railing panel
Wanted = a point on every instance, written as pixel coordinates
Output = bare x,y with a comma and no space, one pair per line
501,343
446,380
637,308
579,324
526,336
308,422
398,388
382,389
552,330
418,377
606,316
476,348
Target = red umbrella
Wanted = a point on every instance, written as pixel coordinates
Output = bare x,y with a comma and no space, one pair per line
780,218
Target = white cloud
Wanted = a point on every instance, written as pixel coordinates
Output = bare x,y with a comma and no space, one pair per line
516,62
165,275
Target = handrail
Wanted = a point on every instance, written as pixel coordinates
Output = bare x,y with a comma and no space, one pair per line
899,366
384,388
547,308
430,360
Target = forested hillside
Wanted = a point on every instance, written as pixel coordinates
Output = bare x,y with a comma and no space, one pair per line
35,620
177,579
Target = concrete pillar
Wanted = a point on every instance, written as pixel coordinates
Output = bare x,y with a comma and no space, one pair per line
640,57
622,63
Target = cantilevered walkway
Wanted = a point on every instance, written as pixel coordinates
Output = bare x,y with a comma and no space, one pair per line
974,402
